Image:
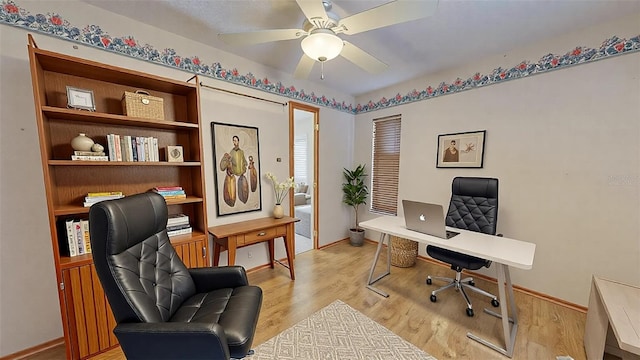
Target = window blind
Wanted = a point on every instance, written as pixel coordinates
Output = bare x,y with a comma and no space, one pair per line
386,165
300,159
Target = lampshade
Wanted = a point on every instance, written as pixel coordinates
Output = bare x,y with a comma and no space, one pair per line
322,45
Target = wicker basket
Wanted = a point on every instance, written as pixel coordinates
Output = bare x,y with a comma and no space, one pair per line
403,252
141,104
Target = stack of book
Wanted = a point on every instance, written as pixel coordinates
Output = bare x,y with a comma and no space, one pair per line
178,225
132,148
73,237
89,156
170,192
96,197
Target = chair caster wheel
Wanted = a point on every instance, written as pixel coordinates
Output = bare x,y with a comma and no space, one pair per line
428,281
495,303
472,283
469,312
433,298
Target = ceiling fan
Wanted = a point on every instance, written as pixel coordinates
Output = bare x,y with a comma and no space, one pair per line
320,41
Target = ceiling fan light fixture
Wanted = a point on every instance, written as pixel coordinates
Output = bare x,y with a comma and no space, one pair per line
322,45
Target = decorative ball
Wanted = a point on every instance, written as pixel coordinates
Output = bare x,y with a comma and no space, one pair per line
97,148
81,143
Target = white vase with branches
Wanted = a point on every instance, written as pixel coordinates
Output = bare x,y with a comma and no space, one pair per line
280,191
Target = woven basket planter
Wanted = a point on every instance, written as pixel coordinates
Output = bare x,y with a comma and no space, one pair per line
403,252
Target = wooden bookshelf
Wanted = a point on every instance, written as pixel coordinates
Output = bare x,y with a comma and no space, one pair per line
86,317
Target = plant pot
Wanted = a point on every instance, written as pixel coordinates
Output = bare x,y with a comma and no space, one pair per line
356,237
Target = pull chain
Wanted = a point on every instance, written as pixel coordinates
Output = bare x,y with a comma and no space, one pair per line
321,70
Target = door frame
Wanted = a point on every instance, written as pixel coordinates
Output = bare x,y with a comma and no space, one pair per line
315,188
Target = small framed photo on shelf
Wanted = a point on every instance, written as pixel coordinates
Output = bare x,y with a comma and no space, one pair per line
461,150
80,99
175,153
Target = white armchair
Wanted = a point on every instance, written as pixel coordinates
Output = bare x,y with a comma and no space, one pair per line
300,194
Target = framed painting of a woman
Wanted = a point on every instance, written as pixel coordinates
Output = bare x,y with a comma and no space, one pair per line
461,150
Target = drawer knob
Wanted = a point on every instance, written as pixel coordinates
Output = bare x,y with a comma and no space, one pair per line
262,233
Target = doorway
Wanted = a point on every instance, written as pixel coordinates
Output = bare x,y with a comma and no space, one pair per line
303,166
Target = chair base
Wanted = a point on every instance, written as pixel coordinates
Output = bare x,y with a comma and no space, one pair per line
460,285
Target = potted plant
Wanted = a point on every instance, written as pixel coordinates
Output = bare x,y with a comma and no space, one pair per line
355,194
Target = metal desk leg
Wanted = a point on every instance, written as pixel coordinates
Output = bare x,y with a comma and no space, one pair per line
370,282
504,287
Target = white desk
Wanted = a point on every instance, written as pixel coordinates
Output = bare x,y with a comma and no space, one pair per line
613,308
504,252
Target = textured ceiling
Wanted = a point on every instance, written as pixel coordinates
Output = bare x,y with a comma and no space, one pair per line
458,32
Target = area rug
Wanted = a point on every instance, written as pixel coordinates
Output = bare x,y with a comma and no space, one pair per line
337,332
303,227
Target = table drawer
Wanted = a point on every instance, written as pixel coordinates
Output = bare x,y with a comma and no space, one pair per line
281,231
259,235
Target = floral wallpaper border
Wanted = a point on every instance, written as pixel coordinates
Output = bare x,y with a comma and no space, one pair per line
54,24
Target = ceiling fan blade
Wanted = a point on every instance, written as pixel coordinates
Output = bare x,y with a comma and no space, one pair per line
362,59
262,36
395,12
313,10
304,67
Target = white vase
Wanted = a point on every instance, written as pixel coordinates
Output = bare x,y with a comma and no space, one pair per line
81,143
278,211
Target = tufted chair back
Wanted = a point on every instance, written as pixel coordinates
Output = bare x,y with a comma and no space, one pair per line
149,282
474,204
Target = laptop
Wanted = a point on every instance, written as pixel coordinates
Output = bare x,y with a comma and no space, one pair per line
426,218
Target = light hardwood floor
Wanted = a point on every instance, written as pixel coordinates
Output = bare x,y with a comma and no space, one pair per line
340,271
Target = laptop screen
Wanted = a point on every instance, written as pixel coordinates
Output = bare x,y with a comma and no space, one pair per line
426,218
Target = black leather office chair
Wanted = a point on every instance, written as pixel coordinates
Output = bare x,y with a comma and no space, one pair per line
164,310
473,206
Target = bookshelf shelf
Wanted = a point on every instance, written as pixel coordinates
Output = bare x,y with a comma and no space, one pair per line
121,163
67,182
99,118
79,209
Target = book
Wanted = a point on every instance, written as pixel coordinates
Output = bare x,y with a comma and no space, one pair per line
77,229
140,145
173,197
180,231
84,224
156,155
117,147
145,146
149,143
104,193
110,149
169,192
88,201
173,226
71,238
167,188
89,158
178,227
178,219
89,153
96,199
126,149
134,149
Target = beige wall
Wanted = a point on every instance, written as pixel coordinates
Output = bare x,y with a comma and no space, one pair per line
565,147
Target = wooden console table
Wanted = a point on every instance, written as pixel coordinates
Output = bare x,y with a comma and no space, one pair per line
244,233
613,320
